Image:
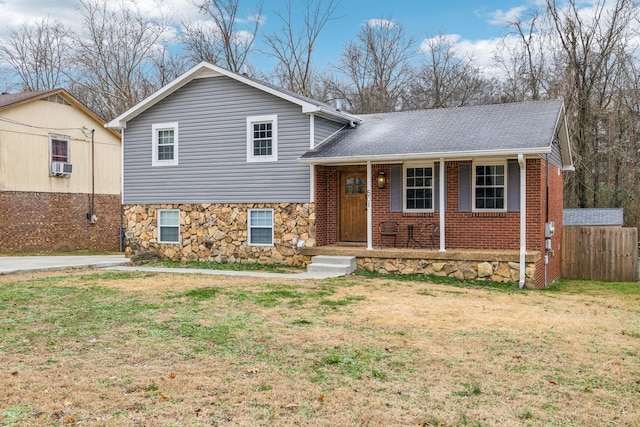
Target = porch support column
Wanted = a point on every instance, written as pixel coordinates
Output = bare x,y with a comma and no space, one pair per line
369,207
523,217
442,201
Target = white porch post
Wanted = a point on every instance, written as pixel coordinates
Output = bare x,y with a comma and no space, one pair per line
443,180
523,217
369,208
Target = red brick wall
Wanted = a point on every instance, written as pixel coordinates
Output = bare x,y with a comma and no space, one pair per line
40,222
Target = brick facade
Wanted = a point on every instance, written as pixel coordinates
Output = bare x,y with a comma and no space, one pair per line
40,222
464,230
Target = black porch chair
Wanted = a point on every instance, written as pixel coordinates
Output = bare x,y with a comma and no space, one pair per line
388,229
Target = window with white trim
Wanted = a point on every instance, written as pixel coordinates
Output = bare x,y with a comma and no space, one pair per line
165,144
262,138
59,148
418,188
168,226
489,186
260,227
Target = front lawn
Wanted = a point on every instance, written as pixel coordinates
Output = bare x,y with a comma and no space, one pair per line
97,348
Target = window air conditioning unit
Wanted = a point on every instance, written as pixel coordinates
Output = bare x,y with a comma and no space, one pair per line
60,168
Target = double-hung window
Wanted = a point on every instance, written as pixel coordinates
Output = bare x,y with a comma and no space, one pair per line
418,188
489,187
262,138
168,226
260,227
165,144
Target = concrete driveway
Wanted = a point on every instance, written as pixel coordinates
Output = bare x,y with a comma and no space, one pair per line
19,264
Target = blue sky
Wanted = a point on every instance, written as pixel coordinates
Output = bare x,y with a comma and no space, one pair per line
477,25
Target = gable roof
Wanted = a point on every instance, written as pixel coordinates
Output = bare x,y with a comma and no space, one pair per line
13,100
205,69
593,217
463,132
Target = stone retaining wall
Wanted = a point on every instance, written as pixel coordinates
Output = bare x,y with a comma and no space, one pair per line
218,232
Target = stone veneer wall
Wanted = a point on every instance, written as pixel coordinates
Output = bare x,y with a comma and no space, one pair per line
218,232
497,271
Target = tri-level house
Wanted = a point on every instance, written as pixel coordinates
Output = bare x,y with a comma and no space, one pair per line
59,175
220,166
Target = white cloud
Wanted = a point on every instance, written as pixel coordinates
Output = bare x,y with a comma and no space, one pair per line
500,17
379,22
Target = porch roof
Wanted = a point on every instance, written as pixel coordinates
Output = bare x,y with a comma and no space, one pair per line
465,132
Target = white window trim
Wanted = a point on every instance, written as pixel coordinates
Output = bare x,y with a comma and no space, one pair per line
249,227
473,184
161,225
60,138
404,186
273,118
164,126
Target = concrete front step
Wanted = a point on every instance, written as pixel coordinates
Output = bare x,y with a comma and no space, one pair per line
332,264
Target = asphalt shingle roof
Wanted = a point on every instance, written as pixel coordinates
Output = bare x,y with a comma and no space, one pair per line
509,127
13,98
593,217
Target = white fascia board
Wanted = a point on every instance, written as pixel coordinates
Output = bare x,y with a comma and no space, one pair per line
397,158
562,130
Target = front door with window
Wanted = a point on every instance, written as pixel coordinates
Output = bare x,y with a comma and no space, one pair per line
353,207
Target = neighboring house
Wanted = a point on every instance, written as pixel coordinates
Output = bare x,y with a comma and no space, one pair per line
219,166
590,217
59,181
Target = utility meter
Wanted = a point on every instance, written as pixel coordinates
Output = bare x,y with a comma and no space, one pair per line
549,229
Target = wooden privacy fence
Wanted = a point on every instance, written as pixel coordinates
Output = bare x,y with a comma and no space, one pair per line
608,254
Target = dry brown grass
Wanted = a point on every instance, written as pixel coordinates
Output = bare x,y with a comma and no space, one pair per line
339,352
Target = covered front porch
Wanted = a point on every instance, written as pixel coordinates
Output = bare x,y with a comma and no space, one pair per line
463,264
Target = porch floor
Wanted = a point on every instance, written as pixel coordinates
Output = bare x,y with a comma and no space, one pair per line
360,251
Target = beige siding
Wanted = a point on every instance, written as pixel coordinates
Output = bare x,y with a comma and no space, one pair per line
24,150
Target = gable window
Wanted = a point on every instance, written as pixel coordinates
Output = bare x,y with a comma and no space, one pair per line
418,188
165,144
489,185
260,227
168,226
262,138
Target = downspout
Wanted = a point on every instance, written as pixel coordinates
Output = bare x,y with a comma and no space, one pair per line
369,208
443,172
546,220
523,218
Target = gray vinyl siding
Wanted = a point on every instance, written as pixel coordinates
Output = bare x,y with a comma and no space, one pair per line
555,158
212,148
324,128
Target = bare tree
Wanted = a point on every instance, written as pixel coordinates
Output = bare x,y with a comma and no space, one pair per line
445,79
38,54
223,40
591,46
523,56
376,67
293,48
115,56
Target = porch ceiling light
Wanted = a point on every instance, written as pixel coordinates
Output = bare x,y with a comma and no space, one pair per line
382,180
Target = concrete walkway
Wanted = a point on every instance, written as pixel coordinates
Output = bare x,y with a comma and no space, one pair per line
21,264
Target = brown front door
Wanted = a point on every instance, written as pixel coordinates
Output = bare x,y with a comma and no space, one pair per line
353,207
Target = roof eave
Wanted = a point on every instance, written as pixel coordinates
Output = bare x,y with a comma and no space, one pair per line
449,155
